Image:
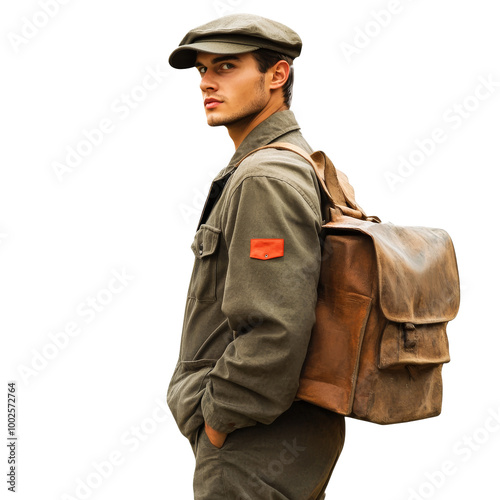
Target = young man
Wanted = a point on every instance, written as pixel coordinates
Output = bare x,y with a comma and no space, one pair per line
251,301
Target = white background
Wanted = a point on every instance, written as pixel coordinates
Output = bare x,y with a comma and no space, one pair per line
132,204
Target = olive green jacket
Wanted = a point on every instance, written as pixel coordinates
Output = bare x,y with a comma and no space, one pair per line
252,296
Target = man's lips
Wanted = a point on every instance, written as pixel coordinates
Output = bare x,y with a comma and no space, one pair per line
211,103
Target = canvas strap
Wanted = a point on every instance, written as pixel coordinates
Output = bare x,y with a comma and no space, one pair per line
333,182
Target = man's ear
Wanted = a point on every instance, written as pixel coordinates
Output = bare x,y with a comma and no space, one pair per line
280,72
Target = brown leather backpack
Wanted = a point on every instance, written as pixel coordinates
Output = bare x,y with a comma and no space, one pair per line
385,296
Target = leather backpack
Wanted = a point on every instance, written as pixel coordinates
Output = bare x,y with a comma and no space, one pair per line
385,296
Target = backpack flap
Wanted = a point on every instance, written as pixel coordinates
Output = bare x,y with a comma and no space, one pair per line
418,274
417,270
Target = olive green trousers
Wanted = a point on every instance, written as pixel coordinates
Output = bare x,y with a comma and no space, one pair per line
290,459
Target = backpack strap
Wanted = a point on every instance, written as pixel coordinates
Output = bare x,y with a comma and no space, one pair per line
333,183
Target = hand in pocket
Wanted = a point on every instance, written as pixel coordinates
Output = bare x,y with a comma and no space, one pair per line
215,437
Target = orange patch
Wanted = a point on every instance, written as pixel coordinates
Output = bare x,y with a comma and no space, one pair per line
267,248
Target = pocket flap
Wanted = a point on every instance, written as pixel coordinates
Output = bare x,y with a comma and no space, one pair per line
205,241
408,344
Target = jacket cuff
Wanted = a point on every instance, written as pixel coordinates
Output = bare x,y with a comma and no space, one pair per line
221,419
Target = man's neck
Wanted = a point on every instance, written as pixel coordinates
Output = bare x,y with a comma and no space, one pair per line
240,129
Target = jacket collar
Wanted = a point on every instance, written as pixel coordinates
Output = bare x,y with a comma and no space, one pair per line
277,125
264,133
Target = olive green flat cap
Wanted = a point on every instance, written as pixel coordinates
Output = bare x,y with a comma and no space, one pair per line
235,34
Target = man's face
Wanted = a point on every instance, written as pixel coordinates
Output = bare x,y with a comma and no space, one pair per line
232,86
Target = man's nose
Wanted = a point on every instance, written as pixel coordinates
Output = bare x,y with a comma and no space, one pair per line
208,82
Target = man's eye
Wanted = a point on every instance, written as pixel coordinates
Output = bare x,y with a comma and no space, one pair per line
202,70
227,66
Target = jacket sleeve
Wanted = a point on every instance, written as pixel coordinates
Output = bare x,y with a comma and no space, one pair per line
270,302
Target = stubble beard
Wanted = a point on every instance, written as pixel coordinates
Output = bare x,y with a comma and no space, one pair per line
246,112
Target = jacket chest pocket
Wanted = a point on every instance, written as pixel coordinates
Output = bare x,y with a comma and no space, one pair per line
204,279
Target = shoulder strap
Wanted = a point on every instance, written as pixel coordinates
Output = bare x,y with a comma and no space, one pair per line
334,183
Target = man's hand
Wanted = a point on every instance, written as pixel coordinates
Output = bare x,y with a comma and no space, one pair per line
216,438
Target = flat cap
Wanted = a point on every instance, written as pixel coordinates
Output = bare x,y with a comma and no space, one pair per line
235,34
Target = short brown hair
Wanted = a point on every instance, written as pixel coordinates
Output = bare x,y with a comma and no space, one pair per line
265,59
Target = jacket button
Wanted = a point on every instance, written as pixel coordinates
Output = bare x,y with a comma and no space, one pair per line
201,248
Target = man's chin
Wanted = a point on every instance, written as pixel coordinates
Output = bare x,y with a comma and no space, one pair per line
213,123
216,121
